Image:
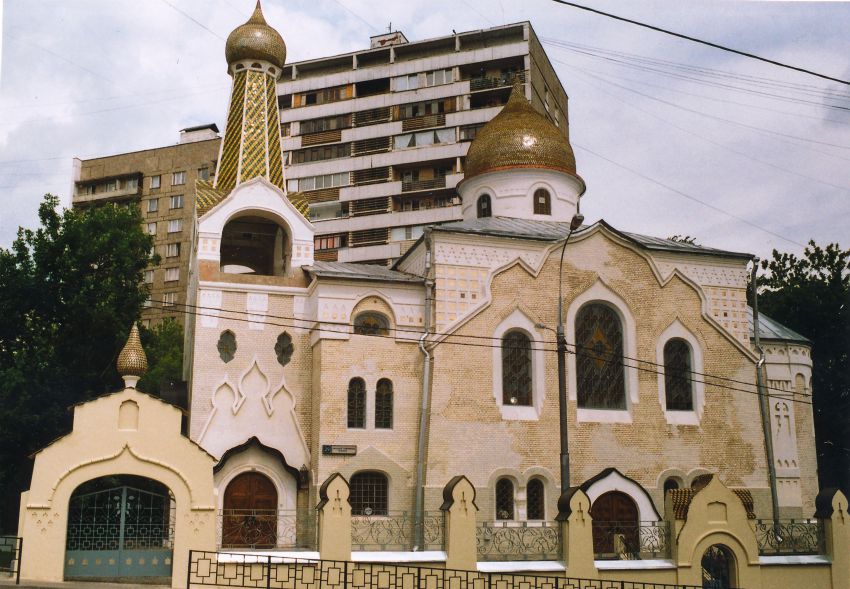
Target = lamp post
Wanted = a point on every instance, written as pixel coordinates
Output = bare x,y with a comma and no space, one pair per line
575,223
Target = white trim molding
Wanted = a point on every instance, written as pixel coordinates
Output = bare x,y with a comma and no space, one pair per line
677,330
600,292
519,321
614,480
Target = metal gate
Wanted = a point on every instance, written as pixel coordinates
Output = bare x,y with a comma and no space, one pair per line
122,532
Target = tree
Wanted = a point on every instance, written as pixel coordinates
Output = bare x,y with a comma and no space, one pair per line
69,292
163,345
811,295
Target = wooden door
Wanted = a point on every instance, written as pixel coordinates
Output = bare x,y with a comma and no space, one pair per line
615,521
249,519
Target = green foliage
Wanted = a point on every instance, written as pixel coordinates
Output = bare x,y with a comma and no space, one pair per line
811,295
69,292
163,345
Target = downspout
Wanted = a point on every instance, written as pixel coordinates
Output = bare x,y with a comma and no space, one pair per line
764,406
419,502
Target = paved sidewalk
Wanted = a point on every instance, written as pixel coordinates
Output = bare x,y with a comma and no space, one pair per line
7,584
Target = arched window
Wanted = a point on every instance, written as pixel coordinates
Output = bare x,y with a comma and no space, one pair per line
670,484
368,493
371,323
616,529
599,358
483,206
678,387
536,499
516,369
384,404
718,568
504,499
542,202
356,403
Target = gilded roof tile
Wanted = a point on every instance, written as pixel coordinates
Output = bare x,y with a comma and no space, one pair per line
519,137
255,40
132,360
206,197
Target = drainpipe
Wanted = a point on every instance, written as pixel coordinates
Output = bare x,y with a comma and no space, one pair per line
764,405
419,503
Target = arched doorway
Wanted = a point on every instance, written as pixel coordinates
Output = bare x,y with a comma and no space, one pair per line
249,517
718,568
120,527
616,525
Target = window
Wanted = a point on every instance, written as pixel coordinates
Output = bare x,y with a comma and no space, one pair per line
172,250
175,225
516,369
484,206
542,202
536,499
325,124
172,274
323,96
439,77
283,348
327,242
204,173
156,181
153,205
470,132
151,229
226,346
678,389
371,323
148,303
410,82
356,403
326,152
176,202
112,186
325,181
168,299
423,138
384,404
599,358
148,276
504,499
368,493
178,178
670,484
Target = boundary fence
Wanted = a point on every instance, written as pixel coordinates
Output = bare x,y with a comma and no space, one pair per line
10,556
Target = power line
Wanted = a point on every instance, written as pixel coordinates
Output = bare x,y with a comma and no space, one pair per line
703,42
363,20
194,20
589,351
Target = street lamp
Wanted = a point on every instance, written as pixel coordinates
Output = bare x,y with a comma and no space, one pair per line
575,223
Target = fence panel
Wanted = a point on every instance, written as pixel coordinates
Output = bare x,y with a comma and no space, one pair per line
10,556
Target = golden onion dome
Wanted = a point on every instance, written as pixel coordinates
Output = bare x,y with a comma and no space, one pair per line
132,360
519,137
255,40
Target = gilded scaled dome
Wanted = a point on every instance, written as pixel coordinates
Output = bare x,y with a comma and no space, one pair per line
132,360
519,137
255,40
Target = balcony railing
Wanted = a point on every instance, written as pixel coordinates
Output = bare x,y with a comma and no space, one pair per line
486,82
413,185
396,531
10,556
370,206
423,122
370,176
371,117
322,195
267,528
630,540
372,145
510,540
790,536
369,237
333,136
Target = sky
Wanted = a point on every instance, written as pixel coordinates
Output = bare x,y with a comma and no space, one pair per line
671,137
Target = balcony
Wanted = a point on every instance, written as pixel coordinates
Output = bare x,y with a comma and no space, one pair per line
631,540
333,136
379,236
370,206
267,528
396,531
790,537
323,195
416,185
370,176
512,540
371,117
373,145
423,122
488,83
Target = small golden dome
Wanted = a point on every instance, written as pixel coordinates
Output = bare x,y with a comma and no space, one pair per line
255,40
519,137
132,360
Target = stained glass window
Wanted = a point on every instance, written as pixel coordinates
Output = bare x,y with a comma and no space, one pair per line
536,499
384,404
678,386
368,493
516,369
370,323
356,403
599,358
504,499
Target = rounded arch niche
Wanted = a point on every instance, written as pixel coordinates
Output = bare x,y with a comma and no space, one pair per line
255,243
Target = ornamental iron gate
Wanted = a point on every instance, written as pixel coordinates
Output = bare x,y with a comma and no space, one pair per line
122,532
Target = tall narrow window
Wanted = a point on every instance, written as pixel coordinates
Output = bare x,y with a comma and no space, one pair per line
516,369
484,206
369,493
504,499
599,358
542,202
356,403
384,404
536,499
678,387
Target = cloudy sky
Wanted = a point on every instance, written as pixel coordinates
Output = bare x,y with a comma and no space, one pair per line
670,136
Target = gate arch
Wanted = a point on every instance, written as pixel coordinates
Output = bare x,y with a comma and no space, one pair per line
718,567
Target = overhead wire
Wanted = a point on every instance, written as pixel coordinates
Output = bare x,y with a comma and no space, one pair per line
213,312
193,19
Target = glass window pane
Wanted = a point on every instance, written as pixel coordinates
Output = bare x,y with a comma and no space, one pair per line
356,403
599,358
504,499
677,376
516,369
